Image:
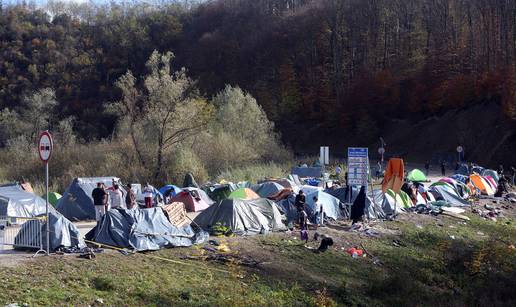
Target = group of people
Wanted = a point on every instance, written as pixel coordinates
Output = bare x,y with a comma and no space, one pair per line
106,199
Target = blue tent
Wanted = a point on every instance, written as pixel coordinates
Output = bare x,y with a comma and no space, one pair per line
170,187
330,204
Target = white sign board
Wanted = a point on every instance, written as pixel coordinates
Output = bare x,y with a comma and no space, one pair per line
324,157
358,166
45,146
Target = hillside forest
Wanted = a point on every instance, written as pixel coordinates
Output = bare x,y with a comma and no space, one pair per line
341,72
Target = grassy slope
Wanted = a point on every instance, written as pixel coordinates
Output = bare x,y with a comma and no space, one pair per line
476,268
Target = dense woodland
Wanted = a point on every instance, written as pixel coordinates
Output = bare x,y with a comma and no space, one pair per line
336,67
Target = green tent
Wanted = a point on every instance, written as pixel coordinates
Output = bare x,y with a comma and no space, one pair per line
416,175
53,198
244,193
401,199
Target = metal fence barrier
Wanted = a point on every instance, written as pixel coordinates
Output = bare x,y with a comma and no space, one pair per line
22,232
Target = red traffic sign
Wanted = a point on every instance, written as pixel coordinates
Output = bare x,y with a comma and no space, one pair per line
45,146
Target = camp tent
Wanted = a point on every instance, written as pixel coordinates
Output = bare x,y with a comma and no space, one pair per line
218,192
16,202
491,182
169,190
395,202
342,193
480,183
267,189
244,217
142,229
307,189
204,196
463,169
330,204
192,200
416,175
492,173
53,198
448,194
63,233
287,207
77,203
244,193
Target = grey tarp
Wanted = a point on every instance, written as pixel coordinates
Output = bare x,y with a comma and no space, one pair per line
77,203
16,202
287,207
242,216
267,189
446,193
374,202
342,193
142,229
62,233
307,171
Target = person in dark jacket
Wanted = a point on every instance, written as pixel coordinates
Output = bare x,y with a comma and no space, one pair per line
299,203
358,207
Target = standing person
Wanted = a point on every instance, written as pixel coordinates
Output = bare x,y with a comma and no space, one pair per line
299,203
443,168
147,194
378,170
427,167
358,207
318,211
338,171
100,200
130,198
116,197
500,170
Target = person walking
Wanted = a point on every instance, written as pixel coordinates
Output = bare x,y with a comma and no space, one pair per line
116,197
147,194
100,200
130,198
443,168
427,168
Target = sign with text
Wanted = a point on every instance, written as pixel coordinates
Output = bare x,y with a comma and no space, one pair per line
358,166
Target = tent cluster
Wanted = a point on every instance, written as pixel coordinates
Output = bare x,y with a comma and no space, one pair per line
20,205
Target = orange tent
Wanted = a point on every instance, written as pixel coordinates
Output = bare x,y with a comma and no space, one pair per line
481,184
394,173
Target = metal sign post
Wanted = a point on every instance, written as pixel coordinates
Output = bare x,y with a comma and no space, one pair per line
460,149
45,146
358,168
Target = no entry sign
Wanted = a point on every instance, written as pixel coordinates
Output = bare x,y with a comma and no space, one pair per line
45,145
